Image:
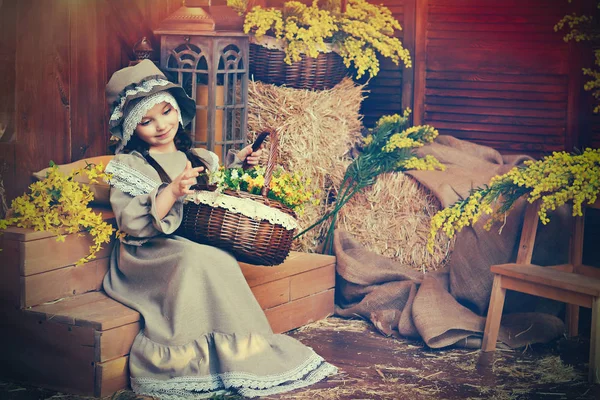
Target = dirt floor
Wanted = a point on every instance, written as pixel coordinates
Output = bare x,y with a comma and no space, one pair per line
376,367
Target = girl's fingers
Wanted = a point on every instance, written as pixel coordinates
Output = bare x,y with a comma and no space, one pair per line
188,182
191,173
244,153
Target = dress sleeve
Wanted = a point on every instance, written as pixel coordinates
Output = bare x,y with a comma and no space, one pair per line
212,160
231,161
133,200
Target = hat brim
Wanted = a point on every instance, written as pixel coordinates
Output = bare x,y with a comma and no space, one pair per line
187,105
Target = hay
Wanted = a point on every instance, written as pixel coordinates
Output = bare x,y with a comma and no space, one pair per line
316,130
391,218
549,369
338,324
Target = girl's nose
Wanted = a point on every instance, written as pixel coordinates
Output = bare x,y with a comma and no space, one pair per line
160,124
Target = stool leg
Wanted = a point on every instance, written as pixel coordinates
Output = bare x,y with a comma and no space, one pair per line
572,319
494,315
594,374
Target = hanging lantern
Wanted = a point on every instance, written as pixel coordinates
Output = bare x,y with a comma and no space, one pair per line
204,49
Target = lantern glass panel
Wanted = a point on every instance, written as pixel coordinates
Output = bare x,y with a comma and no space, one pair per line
231,73
212,68
188,66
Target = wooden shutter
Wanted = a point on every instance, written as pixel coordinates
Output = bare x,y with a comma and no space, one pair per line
496,73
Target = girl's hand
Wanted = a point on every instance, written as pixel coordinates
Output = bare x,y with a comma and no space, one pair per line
251,158
181,185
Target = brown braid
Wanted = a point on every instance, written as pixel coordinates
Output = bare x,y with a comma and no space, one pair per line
164,177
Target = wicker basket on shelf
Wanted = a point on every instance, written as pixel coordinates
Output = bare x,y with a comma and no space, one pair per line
323,72
252,240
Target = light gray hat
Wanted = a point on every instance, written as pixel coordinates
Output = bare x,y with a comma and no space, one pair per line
128,86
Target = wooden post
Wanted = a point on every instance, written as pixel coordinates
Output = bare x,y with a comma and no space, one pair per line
528,233
594,373
408,74
420,60
494,315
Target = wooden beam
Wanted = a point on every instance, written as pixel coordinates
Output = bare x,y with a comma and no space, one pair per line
494,315
420,60
528,233
549,292
300,312
88,52
64,282
408,74
42,87
111,376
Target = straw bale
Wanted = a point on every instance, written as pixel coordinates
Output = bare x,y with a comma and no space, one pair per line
391,218
317,130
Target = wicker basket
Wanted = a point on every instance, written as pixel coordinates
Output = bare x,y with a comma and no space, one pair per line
255,242
323,72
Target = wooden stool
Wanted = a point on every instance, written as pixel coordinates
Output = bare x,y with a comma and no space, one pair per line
574,283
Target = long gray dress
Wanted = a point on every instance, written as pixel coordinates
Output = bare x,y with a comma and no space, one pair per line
204,331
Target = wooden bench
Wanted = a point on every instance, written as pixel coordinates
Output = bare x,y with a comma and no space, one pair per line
59,330
576,284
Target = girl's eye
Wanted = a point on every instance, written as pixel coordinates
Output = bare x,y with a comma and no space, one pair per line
145,123
168,110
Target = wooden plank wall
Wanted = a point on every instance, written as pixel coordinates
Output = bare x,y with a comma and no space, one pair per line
57,56
496,73
491,72
8,43
594,133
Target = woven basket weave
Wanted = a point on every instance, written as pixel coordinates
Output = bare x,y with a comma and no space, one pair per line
323,72
249,240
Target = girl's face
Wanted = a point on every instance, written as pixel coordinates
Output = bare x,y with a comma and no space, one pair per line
159,127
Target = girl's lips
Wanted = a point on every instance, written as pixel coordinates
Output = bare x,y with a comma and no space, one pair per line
164,135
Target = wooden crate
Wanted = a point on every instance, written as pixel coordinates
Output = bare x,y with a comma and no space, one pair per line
37,269
61,331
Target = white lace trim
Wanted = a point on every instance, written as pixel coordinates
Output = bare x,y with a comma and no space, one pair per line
273,43
146,86
137,113
309,372
249,208
129,180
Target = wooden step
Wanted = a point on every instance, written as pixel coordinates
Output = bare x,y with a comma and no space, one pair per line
37,269
80,343
72,337
550,277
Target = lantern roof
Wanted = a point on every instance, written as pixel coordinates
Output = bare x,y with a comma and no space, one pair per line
202,17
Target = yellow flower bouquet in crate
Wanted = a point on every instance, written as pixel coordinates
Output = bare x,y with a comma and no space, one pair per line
554,181
59,204
311,46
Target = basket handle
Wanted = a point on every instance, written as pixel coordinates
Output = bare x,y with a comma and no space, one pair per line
273,152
